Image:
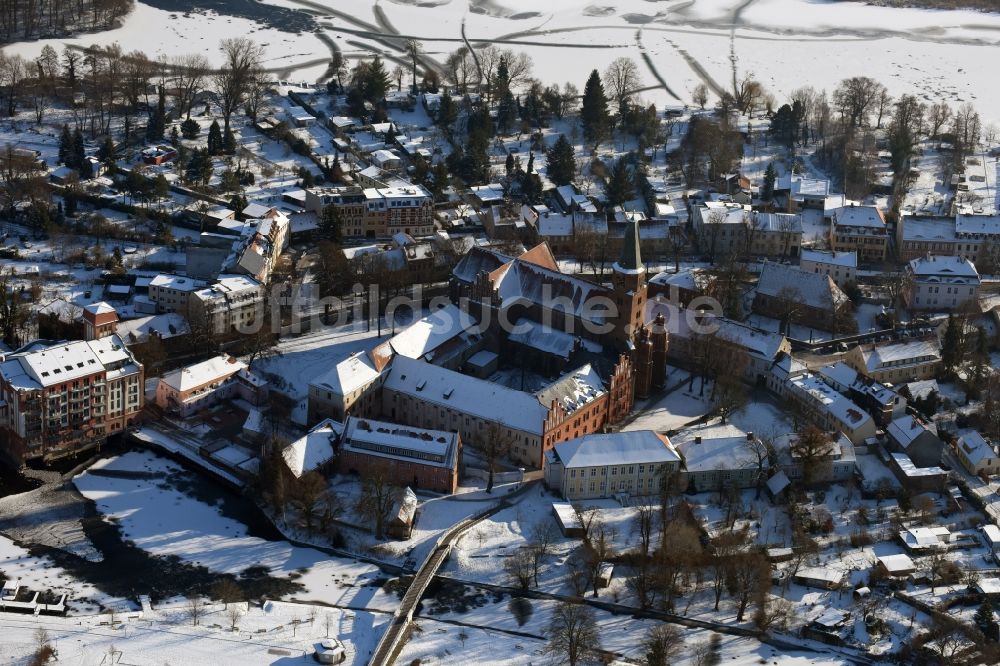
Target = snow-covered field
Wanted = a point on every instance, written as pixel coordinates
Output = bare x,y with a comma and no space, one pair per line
276,633
938,55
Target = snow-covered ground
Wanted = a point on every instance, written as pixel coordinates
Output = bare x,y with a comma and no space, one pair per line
162,519
938,55
274,633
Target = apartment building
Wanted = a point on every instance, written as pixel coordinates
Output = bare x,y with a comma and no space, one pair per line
60,398
377,211
234,302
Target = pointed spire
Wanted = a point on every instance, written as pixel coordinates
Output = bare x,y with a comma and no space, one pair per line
631,259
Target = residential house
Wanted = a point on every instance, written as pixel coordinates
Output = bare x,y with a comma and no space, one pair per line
232,303
878,399
977,455
916,438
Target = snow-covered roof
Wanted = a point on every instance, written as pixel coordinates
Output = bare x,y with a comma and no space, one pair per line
521,282
462,393
825,574
778,482
314,449
898,563
693,279
716,453
925,537
99,308
908,468
939,229
906,429
992,533
902,353
620,448
437,448
62,362
549,340
933,268
839,375
573,390
843,259
812,289
987,225
478,260
921,389
176,282
869,217
429,333
975,448
988,586
214,369
822,396
166,326
348,375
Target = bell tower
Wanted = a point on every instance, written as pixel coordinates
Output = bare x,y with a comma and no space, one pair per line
628,277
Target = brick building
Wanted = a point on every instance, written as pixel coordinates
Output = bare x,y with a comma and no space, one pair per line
414,457
60,398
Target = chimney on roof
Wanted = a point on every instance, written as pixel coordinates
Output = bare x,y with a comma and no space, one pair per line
697,439
750,436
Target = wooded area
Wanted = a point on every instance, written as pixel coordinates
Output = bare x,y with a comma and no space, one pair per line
38,19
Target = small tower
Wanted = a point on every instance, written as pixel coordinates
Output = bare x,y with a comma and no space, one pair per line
629,280
658,338
99,321
643,362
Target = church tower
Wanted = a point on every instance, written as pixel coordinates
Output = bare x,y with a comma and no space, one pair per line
628,277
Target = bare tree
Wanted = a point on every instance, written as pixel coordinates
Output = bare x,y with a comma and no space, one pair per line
234,614
621,78
195,609
700,95
378,494
811,450
242,58
227,591
519,565
306,493
573,634
748,573
663,645
645,519
494,447
855,98
543,536
190,73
